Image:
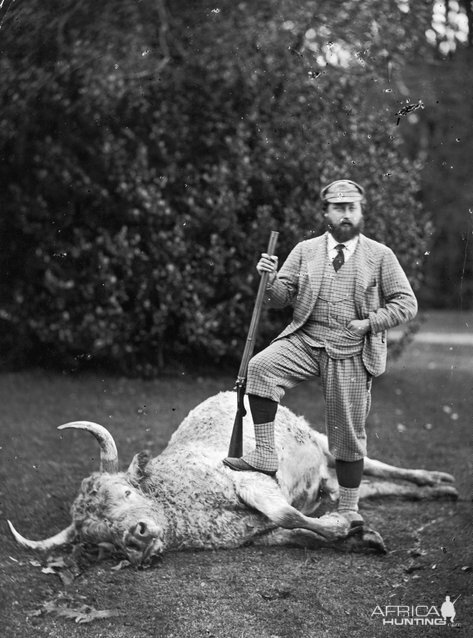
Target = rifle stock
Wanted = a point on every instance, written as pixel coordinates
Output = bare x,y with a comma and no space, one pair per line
236,441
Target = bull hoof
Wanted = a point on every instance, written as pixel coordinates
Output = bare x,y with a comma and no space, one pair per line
445,491
442,477
431,477
365,539
339,523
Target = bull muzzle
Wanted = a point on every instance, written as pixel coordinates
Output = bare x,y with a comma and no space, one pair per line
143,542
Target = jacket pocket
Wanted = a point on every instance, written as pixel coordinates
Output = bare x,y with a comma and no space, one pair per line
352,335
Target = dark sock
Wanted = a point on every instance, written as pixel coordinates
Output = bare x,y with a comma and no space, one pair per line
349,473
263,410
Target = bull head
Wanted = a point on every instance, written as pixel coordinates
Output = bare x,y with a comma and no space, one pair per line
110,509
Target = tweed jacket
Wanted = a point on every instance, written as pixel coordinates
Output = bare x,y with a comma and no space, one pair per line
383,293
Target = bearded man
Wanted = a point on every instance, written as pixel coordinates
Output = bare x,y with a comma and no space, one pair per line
346,291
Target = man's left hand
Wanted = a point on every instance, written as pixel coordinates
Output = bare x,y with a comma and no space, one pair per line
359,326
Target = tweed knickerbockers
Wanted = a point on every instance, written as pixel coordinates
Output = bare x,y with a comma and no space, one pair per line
345,383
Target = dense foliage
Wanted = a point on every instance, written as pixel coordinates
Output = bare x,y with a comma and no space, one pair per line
444,138
147,151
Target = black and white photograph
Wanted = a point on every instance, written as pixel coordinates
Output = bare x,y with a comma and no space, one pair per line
236,319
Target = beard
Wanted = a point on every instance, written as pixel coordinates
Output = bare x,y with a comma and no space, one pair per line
345,230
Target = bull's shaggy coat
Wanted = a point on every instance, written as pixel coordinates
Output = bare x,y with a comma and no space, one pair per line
186,498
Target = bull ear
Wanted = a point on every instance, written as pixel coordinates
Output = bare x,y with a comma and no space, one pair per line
137,468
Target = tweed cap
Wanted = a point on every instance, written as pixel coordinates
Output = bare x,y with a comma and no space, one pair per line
342,191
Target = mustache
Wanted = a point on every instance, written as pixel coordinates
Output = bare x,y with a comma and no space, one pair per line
347,222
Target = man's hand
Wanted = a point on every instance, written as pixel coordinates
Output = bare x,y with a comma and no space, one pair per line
268,264
359,326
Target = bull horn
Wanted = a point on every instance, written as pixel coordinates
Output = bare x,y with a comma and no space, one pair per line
58,540
108,449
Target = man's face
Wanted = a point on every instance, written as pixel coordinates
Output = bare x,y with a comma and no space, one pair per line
344,220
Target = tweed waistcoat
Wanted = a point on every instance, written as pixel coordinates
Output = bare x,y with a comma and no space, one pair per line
334,309
382,292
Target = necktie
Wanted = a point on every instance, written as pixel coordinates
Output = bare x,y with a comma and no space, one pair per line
339,259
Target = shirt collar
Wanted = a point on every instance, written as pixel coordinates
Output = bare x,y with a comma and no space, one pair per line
350,245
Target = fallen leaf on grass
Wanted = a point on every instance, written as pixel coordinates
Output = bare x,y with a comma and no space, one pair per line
417,552
413,568
59,567
36,612
58,562
274,594
80,614
121,565
66,576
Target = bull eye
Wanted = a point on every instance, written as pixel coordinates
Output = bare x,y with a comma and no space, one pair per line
127,493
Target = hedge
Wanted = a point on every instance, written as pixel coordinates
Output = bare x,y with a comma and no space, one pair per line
147,154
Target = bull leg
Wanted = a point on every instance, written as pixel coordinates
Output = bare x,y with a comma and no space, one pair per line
372,467
359,539
293,537
419,477
265,496
379,489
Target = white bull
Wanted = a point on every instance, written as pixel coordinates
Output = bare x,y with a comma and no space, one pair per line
185,498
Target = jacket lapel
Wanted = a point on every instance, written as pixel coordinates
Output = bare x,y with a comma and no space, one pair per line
316,254
365,268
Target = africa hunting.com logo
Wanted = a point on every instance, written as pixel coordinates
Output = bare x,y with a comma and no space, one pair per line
415,615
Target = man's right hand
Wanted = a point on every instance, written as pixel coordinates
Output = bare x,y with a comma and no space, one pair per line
268,264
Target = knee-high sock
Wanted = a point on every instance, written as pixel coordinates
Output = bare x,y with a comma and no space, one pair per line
349,478
264,456
349,473
263,410
349,497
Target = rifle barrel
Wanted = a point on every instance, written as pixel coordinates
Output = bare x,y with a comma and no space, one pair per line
250,340
236,442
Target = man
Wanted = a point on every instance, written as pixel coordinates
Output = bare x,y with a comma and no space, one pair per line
346,291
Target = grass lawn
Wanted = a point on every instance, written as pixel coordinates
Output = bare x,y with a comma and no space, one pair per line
421,417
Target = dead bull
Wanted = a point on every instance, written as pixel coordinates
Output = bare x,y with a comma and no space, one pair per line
185,498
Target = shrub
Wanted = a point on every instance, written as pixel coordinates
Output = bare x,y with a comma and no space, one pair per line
147,156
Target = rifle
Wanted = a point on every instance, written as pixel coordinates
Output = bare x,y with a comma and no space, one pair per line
236,442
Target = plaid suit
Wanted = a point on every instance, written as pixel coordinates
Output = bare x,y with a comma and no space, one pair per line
382,292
